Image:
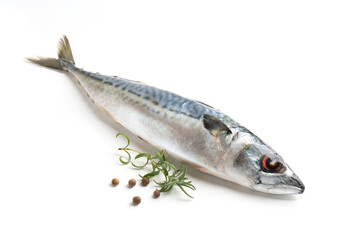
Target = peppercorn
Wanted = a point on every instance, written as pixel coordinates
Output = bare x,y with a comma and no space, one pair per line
145,181
136,200
115,182
156,193
132,182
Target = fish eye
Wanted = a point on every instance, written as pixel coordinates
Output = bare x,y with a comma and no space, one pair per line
269,165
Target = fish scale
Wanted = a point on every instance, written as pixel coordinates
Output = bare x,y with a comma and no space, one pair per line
165,99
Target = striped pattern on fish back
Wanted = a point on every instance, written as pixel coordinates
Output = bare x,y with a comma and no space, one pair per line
165,99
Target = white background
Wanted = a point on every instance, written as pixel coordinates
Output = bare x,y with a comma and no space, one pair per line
287,70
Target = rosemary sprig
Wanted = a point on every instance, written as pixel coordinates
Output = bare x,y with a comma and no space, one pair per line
172,175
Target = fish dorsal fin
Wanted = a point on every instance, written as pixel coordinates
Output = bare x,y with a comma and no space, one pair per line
214,125
204,104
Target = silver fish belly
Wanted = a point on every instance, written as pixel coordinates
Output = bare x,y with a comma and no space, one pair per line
190,131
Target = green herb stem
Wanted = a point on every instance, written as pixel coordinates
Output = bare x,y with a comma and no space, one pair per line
172,175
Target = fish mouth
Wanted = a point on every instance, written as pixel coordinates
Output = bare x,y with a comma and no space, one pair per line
288,185
291,185
297,183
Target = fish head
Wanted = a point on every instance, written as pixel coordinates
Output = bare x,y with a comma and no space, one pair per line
261,168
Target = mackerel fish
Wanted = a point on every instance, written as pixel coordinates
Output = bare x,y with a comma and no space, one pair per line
190,131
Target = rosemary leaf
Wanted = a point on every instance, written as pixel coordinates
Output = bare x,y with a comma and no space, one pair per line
172,175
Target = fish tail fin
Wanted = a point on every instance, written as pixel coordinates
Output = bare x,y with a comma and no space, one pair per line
65,59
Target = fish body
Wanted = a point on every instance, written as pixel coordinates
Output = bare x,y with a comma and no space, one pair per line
190,131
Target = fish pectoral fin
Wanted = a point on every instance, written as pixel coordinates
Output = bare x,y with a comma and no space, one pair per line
214,125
